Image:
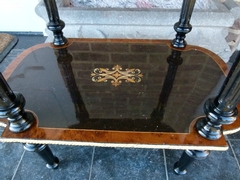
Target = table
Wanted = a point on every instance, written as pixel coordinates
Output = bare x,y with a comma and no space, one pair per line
116,93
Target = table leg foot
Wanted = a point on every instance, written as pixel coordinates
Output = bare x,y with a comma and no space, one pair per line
45,153
187,158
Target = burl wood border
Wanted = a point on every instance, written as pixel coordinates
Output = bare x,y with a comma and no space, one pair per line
109,138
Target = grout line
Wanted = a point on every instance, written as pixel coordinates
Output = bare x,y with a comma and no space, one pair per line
233,139
165,163
234,154
18,165
226,137
90,171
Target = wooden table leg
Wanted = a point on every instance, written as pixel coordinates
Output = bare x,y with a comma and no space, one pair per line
45,153
55,24
223,108
187,158
19,120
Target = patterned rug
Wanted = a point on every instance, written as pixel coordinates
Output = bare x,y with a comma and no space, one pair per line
7,42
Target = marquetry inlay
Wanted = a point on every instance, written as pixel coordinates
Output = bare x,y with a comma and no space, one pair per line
116,75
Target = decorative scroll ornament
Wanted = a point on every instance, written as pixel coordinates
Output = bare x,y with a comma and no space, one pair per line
116,75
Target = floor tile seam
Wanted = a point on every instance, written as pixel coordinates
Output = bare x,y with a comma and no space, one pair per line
15,52
233,139
165,164
16,170
17,49
234,154
91,165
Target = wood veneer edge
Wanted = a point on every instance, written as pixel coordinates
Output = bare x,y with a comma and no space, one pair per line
14,64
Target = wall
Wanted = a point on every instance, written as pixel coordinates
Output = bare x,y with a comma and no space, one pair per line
20,16
210,27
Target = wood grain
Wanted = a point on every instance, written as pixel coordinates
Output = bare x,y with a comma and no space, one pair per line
191,140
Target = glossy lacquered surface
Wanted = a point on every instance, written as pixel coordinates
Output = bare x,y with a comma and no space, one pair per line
60,85
74,105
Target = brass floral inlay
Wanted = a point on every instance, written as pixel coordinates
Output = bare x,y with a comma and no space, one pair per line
116,75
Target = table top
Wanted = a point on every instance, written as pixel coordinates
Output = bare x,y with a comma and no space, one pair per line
92,87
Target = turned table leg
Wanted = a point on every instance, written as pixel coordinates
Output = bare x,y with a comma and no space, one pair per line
12,107
187,158
45,153
221,109
55,24
182,28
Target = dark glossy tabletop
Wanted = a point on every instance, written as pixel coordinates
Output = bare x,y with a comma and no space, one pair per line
115,85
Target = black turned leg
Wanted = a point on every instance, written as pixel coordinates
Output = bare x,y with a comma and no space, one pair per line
187,158
55,23
222,109
12,107
19,120
45,153
183,26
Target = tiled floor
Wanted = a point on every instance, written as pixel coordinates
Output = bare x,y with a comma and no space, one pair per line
111,163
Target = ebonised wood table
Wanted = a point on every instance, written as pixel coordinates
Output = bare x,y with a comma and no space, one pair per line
115,93
120,93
